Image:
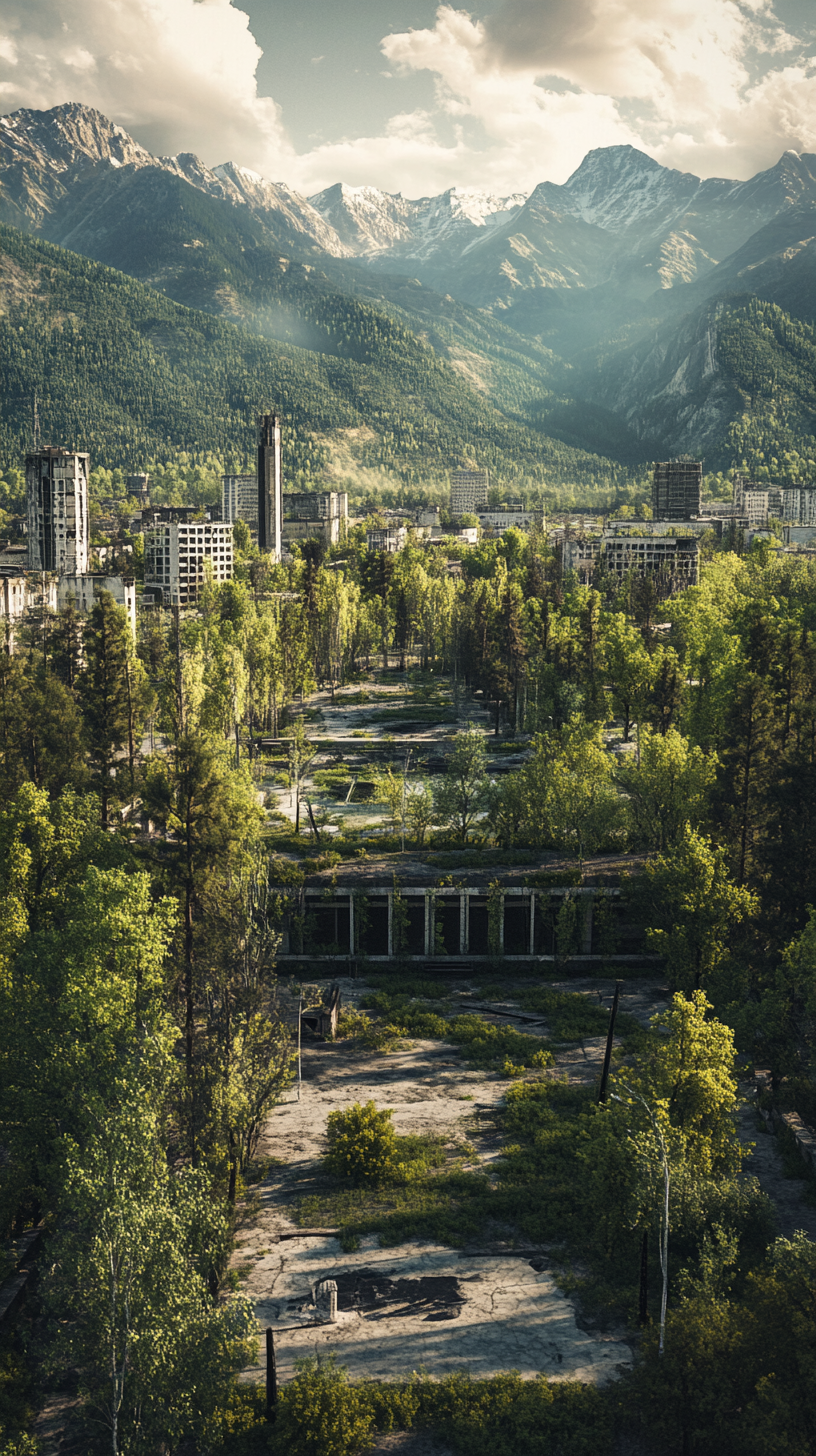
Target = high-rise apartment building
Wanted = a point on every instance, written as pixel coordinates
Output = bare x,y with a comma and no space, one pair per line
270,485
677,490
57,497
468,490
239,500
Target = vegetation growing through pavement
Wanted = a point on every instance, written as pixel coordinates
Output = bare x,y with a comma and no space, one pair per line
140,1025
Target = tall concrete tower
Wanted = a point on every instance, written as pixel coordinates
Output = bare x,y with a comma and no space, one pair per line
57,497
270,485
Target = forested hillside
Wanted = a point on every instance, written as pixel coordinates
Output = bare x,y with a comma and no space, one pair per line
128,374
731,383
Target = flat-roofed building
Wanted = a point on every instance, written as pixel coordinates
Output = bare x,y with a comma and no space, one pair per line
309,514
799,505
468,490
176,553
511,515
138,487
675,558
386,538
23,594
57,500
84,592
677,490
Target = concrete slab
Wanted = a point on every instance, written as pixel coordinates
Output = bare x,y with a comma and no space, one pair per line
512,1316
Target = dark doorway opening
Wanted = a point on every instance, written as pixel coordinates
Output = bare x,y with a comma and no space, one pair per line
516,927
477,938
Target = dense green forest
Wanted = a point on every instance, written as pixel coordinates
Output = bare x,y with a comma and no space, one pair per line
772,359
141,1035
127,374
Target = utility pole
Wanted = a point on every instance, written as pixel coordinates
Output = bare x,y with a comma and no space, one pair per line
35,411
609,1038
271,1377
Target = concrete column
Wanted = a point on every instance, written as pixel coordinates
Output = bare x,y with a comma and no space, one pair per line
463,899
532,922
326,1299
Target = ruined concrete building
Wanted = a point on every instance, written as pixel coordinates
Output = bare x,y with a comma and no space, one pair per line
677,490
84,591
239,500
57,499
176,553
309,514
468,490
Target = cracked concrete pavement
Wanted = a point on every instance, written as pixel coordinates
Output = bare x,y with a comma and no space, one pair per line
512,1315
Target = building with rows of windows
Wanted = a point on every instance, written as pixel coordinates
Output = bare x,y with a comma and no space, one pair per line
176,557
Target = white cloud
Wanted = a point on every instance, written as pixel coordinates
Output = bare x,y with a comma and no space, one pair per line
179,73
698,83
713,86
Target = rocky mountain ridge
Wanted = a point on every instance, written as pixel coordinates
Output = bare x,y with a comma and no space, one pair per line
607,281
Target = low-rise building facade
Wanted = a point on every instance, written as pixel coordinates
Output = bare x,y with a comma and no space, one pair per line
315,514
84,592
386,538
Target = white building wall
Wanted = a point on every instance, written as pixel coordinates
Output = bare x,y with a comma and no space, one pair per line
175,556
84,592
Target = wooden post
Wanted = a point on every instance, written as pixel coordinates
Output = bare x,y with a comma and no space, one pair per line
532,922
463,924
271,1377
428,924
609,1036
390,924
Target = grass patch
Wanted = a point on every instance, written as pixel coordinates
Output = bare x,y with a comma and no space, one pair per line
449,1207
413,713
483,1045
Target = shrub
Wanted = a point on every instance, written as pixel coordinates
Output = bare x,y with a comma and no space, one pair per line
321,1414
352,1022
362,1143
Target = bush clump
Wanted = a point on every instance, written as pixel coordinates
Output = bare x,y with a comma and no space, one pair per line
362,1143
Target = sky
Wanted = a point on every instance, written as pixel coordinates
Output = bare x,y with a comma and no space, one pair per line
416,97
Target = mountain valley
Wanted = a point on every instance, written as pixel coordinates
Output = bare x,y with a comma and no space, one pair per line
593,313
